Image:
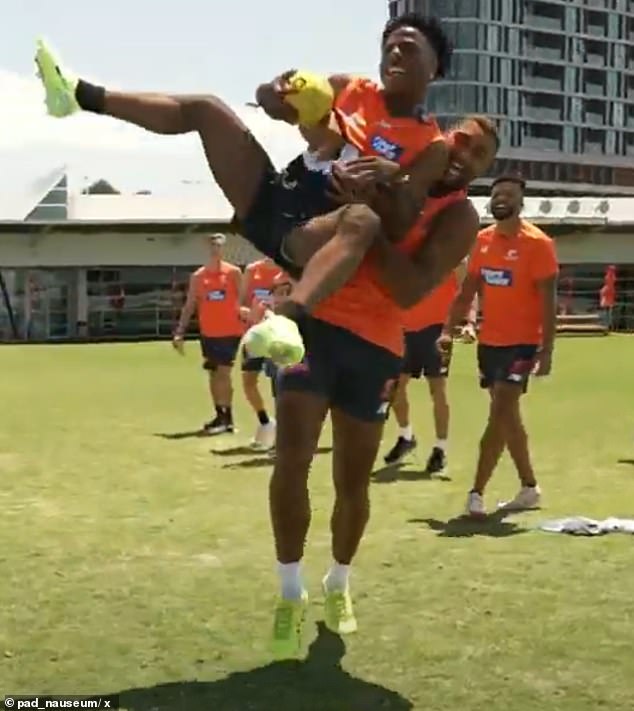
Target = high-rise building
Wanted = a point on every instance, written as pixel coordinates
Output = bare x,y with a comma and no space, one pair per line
557,75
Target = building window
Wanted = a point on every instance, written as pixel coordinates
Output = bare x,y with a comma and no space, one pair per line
596,53
543,77
545,15
594,112
593,141
544,107
596,23
543,137
594,82
544,45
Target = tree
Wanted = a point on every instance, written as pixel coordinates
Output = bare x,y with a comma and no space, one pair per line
100,187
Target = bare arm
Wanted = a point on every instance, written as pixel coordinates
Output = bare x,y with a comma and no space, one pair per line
188,309
244,287
548,289
399,203
466,296
452,233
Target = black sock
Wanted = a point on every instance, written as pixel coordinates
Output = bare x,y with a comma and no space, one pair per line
90,97
263,417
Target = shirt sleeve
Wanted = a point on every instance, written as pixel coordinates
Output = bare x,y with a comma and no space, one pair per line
544,262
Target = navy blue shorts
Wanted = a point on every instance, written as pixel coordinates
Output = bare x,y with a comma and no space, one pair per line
219,351
506,364
422,356
354,375
283,202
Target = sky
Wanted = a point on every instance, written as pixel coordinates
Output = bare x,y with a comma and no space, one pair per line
226,47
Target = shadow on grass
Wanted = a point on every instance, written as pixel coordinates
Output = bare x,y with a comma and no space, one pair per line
182,435
392,473
626,461
245,449
316,684
493,526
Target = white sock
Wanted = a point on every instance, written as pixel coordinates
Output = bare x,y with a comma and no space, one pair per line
337,577
406,433
441,444
291,580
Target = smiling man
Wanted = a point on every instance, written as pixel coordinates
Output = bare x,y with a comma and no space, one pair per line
513,268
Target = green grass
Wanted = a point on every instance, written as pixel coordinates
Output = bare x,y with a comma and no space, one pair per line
141,565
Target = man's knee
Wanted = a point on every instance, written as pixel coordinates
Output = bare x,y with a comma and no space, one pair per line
505,403
360,223
352,486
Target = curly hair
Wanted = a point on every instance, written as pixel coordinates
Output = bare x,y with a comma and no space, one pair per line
433,32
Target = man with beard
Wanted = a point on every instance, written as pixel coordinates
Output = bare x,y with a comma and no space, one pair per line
513,269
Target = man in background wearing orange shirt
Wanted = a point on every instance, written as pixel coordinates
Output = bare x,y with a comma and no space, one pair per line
423,324
513,268
214,293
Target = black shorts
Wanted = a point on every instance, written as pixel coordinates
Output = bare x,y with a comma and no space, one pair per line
252,365
219,351
422,356
283,202
354,375
506,364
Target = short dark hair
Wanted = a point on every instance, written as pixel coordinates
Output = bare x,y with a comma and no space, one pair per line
433,32
486,124
510,178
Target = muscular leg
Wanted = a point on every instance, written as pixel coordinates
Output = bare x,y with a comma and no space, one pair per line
330,249
300,417
252,392
400,403
438,392
355,447
517,444
235,158
221,387
504,401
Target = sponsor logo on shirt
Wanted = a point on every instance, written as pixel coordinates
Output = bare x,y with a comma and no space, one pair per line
386,148
261,293
216,295
497,277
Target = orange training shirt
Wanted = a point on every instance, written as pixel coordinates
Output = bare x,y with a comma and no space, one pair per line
508,269
218,301
433,308
261,276
363,306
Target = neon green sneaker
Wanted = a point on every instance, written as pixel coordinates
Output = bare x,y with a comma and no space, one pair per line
59,86
287,627
339,611
277,338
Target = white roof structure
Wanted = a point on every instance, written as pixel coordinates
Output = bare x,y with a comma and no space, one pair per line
205,202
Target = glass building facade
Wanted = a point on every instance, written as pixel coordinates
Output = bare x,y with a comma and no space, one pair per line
557,75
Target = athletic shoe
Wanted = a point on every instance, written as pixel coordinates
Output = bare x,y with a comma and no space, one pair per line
528,497
339,611
400,450
219,425
58,84
277,338
437,461
475,505
264,437
287,627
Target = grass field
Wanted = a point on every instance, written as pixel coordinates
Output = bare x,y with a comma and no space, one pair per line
141,565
